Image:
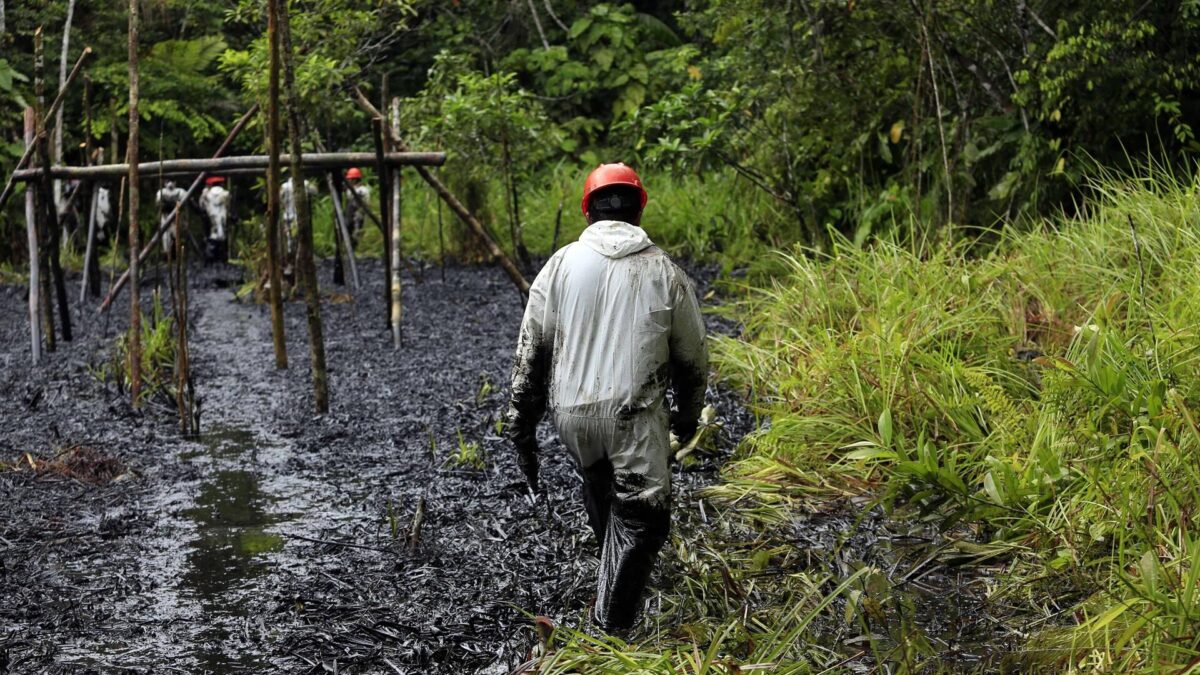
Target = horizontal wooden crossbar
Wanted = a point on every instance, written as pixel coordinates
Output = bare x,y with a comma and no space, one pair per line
316,160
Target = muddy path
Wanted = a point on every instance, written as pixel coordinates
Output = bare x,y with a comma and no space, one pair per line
279,539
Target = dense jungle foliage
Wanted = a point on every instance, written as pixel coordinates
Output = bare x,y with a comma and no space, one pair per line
973,227
822,116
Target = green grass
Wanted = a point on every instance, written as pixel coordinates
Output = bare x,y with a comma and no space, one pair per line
1042,396
158,347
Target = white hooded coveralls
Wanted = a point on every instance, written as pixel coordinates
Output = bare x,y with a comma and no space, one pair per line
214,201
610,324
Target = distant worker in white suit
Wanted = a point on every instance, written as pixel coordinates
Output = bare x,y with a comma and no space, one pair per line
167,198
214,202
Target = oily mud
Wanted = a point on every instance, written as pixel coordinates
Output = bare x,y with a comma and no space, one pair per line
393,534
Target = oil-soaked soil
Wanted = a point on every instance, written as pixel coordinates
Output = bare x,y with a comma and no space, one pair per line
279,540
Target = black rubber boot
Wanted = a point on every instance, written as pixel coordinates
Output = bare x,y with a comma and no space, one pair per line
635,534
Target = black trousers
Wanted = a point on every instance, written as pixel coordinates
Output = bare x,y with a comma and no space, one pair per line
630,533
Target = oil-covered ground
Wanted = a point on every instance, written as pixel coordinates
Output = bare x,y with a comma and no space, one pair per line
279,540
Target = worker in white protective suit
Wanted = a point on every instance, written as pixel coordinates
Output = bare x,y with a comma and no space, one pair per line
611,323
214,202
287,198
167,197
354,213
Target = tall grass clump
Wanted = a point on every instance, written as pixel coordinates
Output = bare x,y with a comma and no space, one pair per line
1039,401
158,345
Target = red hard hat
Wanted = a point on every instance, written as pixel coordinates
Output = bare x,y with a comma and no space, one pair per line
213,180
611,174
354,173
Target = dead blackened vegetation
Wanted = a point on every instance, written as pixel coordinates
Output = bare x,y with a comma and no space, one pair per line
76,462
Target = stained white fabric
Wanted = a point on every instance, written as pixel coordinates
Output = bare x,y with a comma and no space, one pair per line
610,324
214,201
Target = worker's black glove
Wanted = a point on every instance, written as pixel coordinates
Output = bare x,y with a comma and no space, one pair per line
683,429
527,461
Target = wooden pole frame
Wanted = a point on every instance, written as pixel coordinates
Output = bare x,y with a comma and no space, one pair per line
259,163
115,290
498,254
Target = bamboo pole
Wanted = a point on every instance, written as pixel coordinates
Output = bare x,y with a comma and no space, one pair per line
461,211
397,302
115,290
314,161
441,244
274,257
305,263
58,101
385,212
35,318
135,309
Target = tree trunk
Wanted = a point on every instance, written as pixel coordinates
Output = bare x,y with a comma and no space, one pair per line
35,313
274,257
304,258
135,309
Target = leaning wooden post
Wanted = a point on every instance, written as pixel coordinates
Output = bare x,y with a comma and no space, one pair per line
35,314
397,304
58,101
461,211
307,266
385,211
135,309
343,232
91,270
274,257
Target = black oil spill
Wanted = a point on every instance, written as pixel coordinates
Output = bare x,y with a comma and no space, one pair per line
279,540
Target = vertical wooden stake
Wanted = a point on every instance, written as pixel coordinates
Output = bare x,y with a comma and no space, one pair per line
35,318
385,212
135,309
306,265
91,268
397,307
274,257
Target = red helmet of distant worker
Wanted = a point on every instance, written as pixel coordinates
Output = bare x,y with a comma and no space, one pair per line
213,180
354,173
607,175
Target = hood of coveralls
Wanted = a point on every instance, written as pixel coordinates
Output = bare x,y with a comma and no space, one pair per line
615,239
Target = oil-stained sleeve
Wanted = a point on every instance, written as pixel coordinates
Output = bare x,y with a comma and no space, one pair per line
531,366
689,356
